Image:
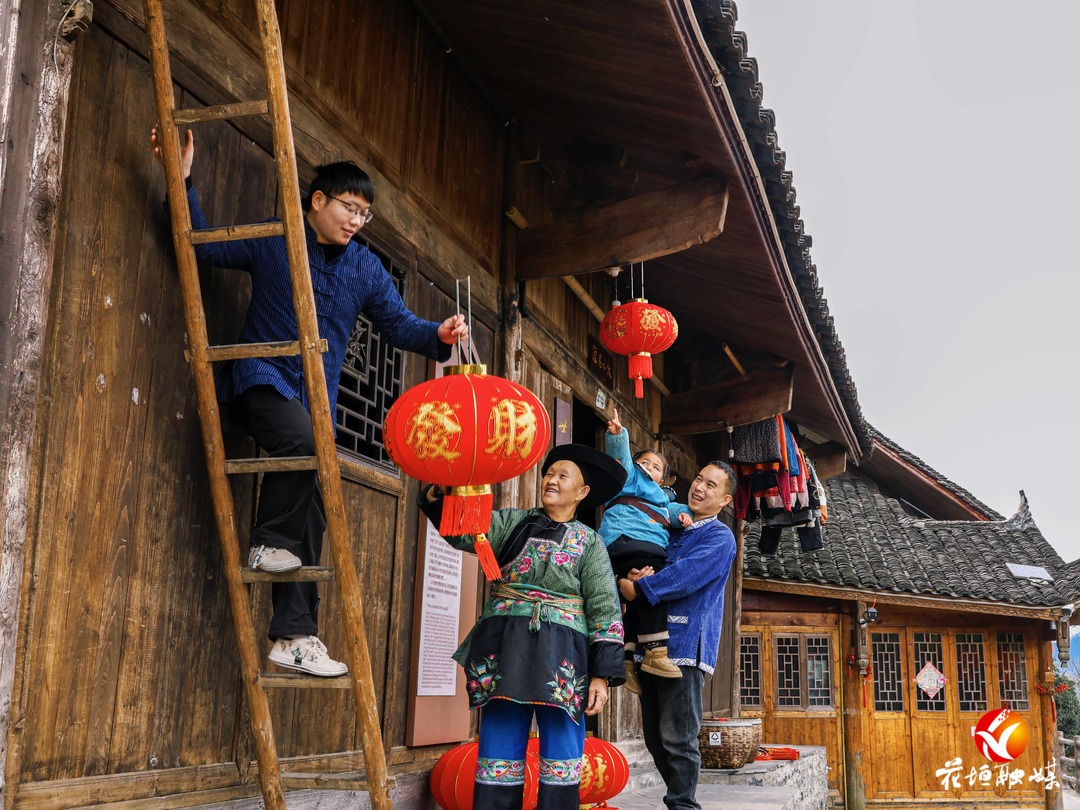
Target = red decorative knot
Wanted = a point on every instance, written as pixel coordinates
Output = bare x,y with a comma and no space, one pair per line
1057,690
466,431
639,330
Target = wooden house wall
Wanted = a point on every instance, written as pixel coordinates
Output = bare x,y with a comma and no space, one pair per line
127,660
891,758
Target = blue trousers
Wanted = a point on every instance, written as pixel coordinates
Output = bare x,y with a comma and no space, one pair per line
670,720
500,767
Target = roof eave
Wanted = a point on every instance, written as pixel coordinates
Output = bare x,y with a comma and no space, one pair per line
722,110
933,602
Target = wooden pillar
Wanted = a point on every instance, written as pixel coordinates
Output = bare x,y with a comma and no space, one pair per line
1054,800
855,747
735,643
33,109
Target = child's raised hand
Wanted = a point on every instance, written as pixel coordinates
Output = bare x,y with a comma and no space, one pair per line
614,426
685,519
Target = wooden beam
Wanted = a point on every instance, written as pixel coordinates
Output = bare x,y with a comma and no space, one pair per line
934,602
830,459
632,230
757,396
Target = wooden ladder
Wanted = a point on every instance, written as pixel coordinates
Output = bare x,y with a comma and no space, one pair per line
309,347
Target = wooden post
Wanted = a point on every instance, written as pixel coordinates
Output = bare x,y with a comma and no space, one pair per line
855,751
1054,800
736,612
33,119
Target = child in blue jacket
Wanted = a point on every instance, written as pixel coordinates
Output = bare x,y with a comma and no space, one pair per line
635,529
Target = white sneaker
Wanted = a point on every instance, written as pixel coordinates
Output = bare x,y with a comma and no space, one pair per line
273,560
306,654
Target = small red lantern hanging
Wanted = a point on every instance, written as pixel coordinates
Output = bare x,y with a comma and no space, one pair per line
604,772
466,431
639,330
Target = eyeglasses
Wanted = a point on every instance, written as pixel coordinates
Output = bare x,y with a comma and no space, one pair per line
355,210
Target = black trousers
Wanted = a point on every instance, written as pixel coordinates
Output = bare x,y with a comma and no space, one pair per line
290,513
642,621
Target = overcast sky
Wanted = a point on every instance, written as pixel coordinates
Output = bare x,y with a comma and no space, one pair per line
933,146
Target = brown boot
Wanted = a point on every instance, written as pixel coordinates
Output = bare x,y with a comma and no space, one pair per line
632,684
657,663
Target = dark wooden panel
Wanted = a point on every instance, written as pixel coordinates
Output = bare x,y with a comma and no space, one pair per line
457,164
126,560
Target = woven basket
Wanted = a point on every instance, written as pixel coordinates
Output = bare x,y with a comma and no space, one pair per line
728,743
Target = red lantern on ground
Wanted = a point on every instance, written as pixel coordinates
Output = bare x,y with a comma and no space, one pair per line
604,772
453,779
639,330
466,431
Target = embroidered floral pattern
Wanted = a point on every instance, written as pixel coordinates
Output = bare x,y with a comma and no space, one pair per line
483,677
500,771
560,558
613,632
560,771
567,688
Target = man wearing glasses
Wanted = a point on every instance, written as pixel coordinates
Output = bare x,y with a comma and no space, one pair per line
268,394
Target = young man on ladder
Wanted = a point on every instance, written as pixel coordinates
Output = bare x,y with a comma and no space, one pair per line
268,394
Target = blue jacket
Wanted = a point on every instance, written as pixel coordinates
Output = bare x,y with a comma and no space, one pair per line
354,284
692,585
622,519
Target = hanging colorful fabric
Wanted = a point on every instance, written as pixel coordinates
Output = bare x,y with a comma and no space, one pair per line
466,431
639,330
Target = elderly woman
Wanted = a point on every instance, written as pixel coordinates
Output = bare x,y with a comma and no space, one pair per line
550,638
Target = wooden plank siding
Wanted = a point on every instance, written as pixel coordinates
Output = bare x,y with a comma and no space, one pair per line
127,655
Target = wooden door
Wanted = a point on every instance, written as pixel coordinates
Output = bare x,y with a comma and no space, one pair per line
918,739
885,697
790,676
986,669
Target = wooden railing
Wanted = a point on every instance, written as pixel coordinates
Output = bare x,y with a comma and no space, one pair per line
1067,767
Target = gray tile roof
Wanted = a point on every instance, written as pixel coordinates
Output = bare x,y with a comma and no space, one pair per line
926,469
872,544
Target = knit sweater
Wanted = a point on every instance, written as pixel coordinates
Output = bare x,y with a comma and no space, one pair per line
692,584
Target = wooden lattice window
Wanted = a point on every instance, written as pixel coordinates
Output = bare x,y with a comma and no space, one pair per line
887,664
928,650
372,377
1012,671
818,671
788,672
750,671
971,672
803,672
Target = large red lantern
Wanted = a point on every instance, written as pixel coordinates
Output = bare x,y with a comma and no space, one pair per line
453,779
466,431
604,772
639,330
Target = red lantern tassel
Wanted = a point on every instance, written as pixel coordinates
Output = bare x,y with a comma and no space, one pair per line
486,555
640,367
466,510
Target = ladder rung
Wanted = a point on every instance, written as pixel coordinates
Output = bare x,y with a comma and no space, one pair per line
308,573
238,466
297,681
233,233
240,109
237,351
